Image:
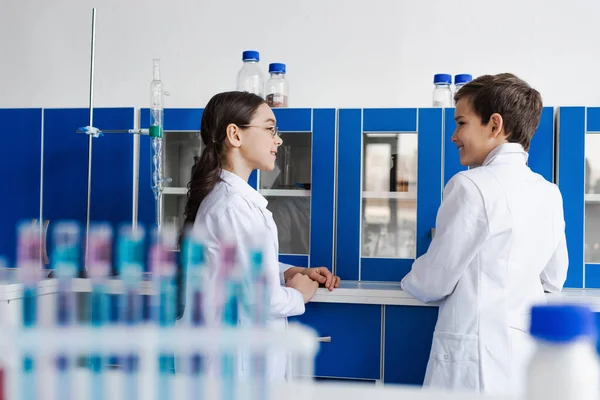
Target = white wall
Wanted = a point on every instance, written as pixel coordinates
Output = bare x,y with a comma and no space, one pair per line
339,53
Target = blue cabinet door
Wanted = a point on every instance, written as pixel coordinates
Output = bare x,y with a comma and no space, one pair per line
579,182
20,159
301,189
541,153
112,169
65,167
452,164
384,218
592,199
354,349
408,336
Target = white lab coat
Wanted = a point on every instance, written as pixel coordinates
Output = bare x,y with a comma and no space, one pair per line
499,243
236,211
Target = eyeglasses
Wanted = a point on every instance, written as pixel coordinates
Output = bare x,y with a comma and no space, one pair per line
274,130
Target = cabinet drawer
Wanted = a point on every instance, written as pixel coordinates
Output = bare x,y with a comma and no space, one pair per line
355,331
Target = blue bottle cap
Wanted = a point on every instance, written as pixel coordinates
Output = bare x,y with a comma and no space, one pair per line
442,78
277,67
562,323
250,55
462,79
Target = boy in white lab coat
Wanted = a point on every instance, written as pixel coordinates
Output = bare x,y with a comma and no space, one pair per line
499,243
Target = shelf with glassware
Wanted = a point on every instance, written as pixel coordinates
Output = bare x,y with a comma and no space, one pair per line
578,160
300,190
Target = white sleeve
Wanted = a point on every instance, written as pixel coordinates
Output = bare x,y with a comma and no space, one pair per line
240,222
282,268
461,229
554,275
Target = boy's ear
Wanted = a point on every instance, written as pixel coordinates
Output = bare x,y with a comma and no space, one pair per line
497,125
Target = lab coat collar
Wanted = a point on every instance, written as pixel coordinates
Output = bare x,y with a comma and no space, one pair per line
507,152
244,188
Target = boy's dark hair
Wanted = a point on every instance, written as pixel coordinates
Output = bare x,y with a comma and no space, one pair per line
518,103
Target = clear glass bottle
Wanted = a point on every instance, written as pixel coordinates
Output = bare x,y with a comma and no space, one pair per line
277,86
442,94
250,78
461,80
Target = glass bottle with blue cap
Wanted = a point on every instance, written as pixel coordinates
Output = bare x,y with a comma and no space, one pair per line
277,86
461,80
250,78
442,94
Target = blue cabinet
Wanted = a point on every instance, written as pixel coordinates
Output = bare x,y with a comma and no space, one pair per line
407,343
354,351
579,182
384,217
20,160
65,167
301,188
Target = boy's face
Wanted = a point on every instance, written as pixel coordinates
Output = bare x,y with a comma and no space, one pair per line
474,139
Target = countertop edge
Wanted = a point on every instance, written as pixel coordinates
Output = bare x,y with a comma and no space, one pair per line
349,292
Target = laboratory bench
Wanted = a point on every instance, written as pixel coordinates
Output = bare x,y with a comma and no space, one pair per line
370,332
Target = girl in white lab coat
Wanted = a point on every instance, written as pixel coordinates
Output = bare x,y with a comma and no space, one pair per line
499,242
240,135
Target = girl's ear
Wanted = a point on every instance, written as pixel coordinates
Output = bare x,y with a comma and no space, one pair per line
234,138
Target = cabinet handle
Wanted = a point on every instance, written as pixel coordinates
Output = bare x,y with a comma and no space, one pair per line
44,243
324,339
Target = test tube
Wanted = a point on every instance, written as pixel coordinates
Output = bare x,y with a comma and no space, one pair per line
230,282
259,307
130,265
29,272
65,264
163,268
99,267
196,271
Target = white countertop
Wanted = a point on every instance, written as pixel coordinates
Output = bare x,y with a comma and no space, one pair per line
392,294
351,292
